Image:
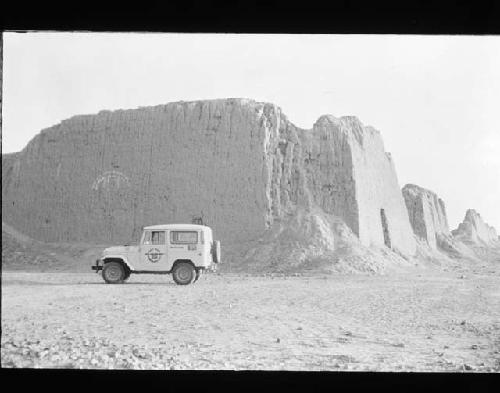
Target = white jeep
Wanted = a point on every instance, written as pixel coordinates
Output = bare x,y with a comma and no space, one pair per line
184,250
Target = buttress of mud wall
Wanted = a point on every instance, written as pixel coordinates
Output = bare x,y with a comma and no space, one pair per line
415,208
283,173
327,159
377,188
427,214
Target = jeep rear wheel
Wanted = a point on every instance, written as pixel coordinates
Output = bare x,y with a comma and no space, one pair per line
113,273
184,273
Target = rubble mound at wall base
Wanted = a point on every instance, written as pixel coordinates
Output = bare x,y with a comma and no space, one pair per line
23,253
310,241
453,247
18,254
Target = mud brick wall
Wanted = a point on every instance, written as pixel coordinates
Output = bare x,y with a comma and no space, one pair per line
427,214
237,163
474,229
102,177
363,188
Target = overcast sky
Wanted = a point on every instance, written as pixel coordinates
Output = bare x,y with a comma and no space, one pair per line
436,99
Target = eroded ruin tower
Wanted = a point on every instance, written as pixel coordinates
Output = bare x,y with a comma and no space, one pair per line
427,214
473,229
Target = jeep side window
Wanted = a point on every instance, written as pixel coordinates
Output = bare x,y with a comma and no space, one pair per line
183,237
158,237
147,238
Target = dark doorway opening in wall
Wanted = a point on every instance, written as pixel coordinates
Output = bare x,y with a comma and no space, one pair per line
385,229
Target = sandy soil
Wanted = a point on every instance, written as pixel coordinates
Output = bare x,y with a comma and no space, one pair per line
422,320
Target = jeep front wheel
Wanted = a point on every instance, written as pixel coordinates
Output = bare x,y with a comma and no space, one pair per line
184,273
113,273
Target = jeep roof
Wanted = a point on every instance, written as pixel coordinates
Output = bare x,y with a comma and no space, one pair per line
176,227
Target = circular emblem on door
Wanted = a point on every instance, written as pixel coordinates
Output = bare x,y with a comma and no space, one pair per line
154,255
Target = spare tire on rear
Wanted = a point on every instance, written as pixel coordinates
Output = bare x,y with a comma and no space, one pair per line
216,251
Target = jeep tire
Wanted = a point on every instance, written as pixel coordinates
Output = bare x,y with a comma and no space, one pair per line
184,273
113,273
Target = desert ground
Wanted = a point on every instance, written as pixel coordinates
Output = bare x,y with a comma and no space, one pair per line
421,319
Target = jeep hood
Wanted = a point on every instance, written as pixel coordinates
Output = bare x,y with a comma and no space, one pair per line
118,250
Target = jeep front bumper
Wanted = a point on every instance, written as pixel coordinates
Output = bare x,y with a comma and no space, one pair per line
98,266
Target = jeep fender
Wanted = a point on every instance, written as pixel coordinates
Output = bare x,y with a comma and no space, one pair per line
117,258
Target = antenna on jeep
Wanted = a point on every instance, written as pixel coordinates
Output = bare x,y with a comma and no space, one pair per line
197,220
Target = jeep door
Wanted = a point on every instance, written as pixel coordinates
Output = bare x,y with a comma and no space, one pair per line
185,244
153,252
